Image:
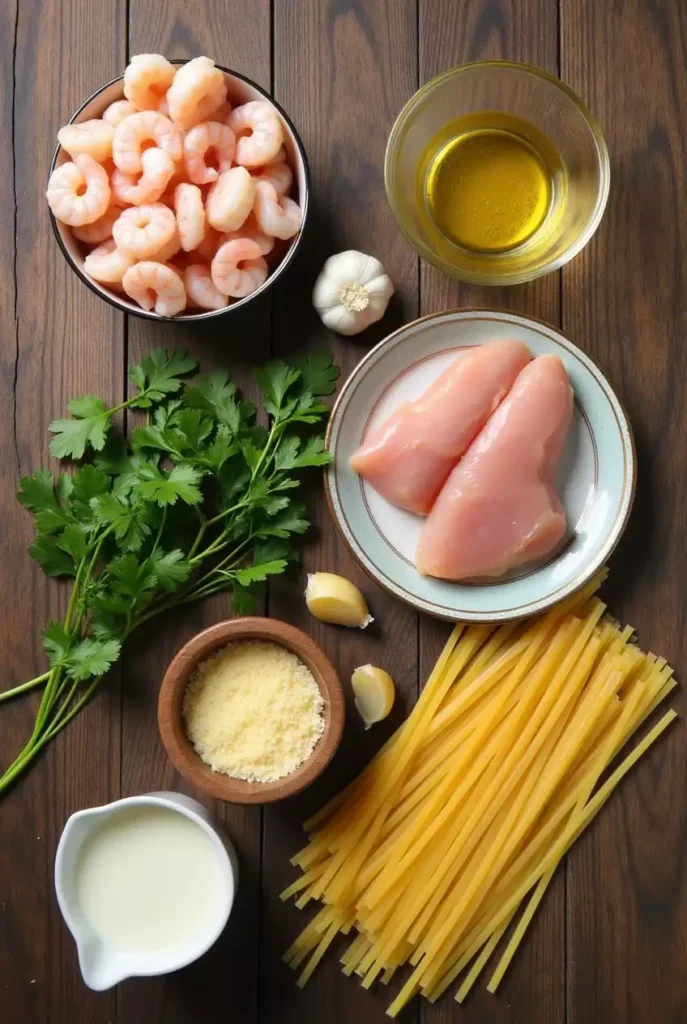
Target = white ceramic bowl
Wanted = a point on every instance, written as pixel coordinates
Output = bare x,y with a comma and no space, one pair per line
101,966
595,479
240,90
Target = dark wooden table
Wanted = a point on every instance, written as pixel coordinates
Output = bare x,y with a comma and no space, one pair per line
610,942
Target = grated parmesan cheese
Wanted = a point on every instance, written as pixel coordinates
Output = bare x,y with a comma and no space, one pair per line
253,711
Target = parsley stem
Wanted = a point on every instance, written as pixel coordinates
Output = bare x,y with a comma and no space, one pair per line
74,594
270,437
32,749
8,694
47,701
161,528
83,700
199,536
227,511
125,405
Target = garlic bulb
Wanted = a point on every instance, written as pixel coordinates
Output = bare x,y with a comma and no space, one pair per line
352,292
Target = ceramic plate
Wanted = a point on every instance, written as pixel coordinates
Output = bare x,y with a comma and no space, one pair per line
596,477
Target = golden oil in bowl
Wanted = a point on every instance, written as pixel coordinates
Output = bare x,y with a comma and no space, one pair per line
490,183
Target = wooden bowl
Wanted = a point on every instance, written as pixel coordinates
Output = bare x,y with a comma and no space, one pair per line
182,752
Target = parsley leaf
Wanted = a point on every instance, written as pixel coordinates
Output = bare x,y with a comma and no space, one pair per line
275,379
170,568
159,375
88,427
56,641
215,394
129,521
73,541
88,483
243,602
313,454
287,453
165,488
271,549
91,657
291,520
155,437
130,576
260,572
37,492
53,560
318,372
216,454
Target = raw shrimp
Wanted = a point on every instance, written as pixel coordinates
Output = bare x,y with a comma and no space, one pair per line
117,111
99,230
249,229
259,133
278,174
79,192
168,250
158,168
137,129
188,203
222,113
276,215
143,230
92,137
153,284
182,259
199,139
198,89
107,263
200,288
230,199
228,277
178,178
209,244
147,79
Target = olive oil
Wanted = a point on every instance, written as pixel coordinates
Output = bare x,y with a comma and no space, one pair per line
490,182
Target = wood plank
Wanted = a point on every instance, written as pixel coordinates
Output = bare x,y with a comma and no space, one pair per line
342,71
236,36
451,34
59,340
627,907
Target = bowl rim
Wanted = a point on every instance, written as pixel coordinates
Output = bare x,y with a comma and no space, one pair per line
208,314
602,157
179,748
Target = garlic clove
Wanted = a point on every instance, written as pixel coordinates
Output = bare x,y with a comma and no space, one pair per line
335,599
374,693
341,320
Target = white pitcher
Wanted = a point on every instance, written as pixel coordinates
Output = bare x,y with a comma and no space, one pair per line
102,965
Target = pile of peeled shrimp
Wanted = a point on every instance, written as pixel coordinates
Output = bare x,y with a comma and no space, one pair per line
180,196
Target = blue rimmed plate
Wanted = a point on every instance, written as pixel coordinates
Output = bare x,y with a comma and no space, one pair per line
596,478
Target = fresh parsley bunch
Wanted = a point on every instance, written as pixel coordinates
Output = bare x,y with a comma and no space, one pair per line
199,500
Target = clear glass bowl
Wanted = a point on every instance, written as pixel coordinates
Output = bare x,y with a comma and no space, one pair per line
528,94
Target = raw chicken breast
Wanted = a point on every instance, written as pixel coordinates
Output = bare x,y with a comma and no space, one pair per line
409,456
498,507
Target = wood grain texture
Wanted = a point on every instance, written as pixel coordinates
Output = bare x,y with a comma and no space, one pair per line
57,340
450,34
342,70
624,303
236,35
